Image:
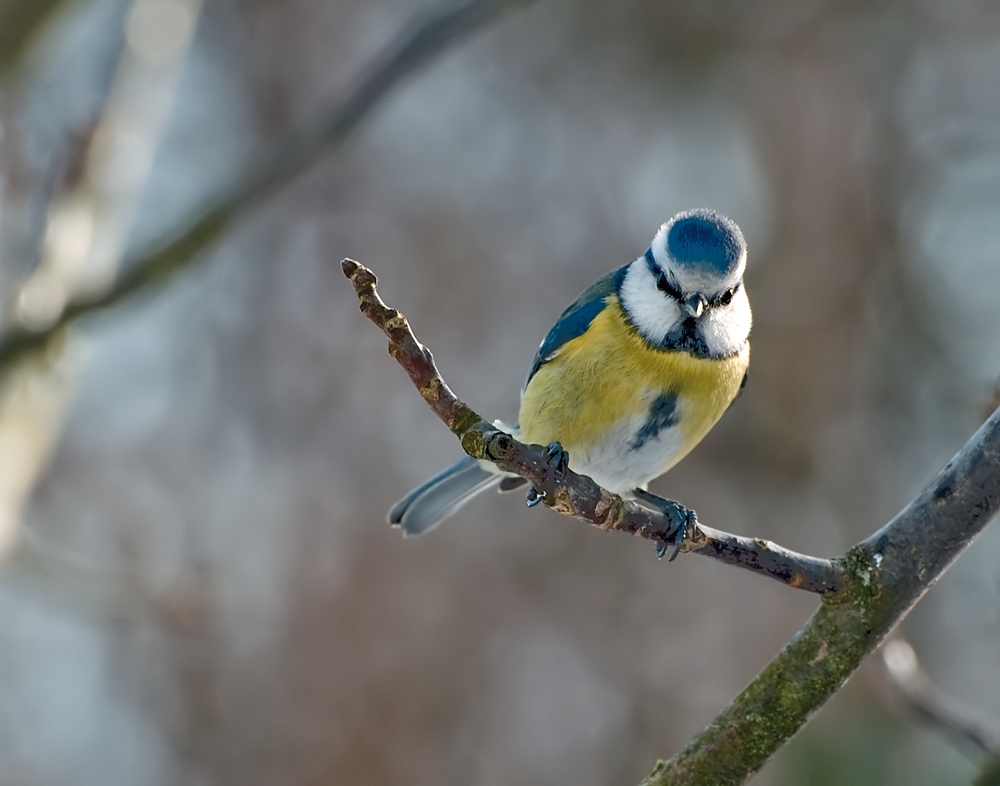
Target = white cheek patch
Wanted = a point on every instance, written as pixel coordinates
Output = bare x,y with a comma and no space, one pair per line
726,328
652,312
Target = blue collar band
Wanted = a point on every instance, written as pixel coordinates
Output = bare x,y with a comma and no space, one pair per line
654,268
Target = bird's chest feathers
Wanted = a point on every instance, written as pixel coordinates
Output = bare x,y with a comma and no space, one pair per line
609,397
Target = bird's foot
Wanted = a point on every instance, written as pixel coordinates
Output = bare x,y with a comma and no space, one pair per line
557,459
681,520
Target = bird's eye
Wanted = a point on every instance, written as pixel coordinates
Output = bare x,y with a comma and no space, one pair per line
727,297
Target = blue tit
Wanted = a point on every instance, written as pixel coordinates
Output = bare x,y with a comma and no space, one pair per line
633,374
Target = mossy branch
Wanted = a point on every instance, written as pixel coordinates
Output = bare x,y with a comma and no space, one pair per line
887,574
864,594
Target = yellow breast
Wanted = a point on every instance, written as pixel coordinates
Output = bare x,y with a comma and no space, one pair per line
610,375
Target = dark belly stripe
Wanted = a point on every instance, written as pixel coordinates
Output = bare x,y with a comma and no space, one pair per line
662,415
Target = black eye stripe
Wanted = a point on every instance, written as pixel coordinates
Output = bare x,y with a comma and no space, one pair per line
666,286
662,282
726,297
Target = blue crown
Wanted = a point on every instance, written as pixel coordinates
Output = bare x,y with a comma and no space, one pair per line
704,238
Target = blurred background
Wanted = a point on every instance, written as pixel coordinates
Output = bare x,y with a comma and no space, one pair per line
197,585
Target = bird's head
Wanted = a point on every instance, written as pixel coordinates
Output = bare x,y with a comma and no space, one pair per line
686,292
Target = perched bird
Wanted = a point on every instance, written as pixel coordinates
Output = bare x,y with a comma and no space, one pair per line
633,374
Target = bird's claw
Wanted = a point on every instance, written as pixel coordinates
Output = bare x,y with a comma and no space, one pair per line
678,535
557,459
681,520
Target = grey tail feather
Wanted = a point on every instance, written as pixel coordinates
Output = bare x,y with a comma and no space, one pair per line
441,496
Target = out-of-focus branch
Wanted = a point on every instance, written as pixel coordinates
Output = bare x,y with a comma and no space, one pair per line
87,220
865,593
990,774
65,583
421,41
33,397
20,21
930,703
567,492
83,238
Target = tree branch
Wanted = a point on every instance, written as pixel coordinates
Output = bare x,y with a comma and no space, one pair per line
20,22
421,41
865,593
572,494
886,575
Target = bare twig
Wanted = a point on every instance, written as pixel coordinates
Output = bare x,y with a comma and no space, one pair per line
797,570
865,593
572,494
426,37
65,583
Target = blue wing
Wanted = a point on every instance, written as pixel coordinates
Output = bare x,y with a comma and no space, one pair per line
575,320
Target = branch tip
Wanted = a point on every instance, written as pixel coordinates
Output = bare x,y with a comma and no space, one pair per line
349,266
